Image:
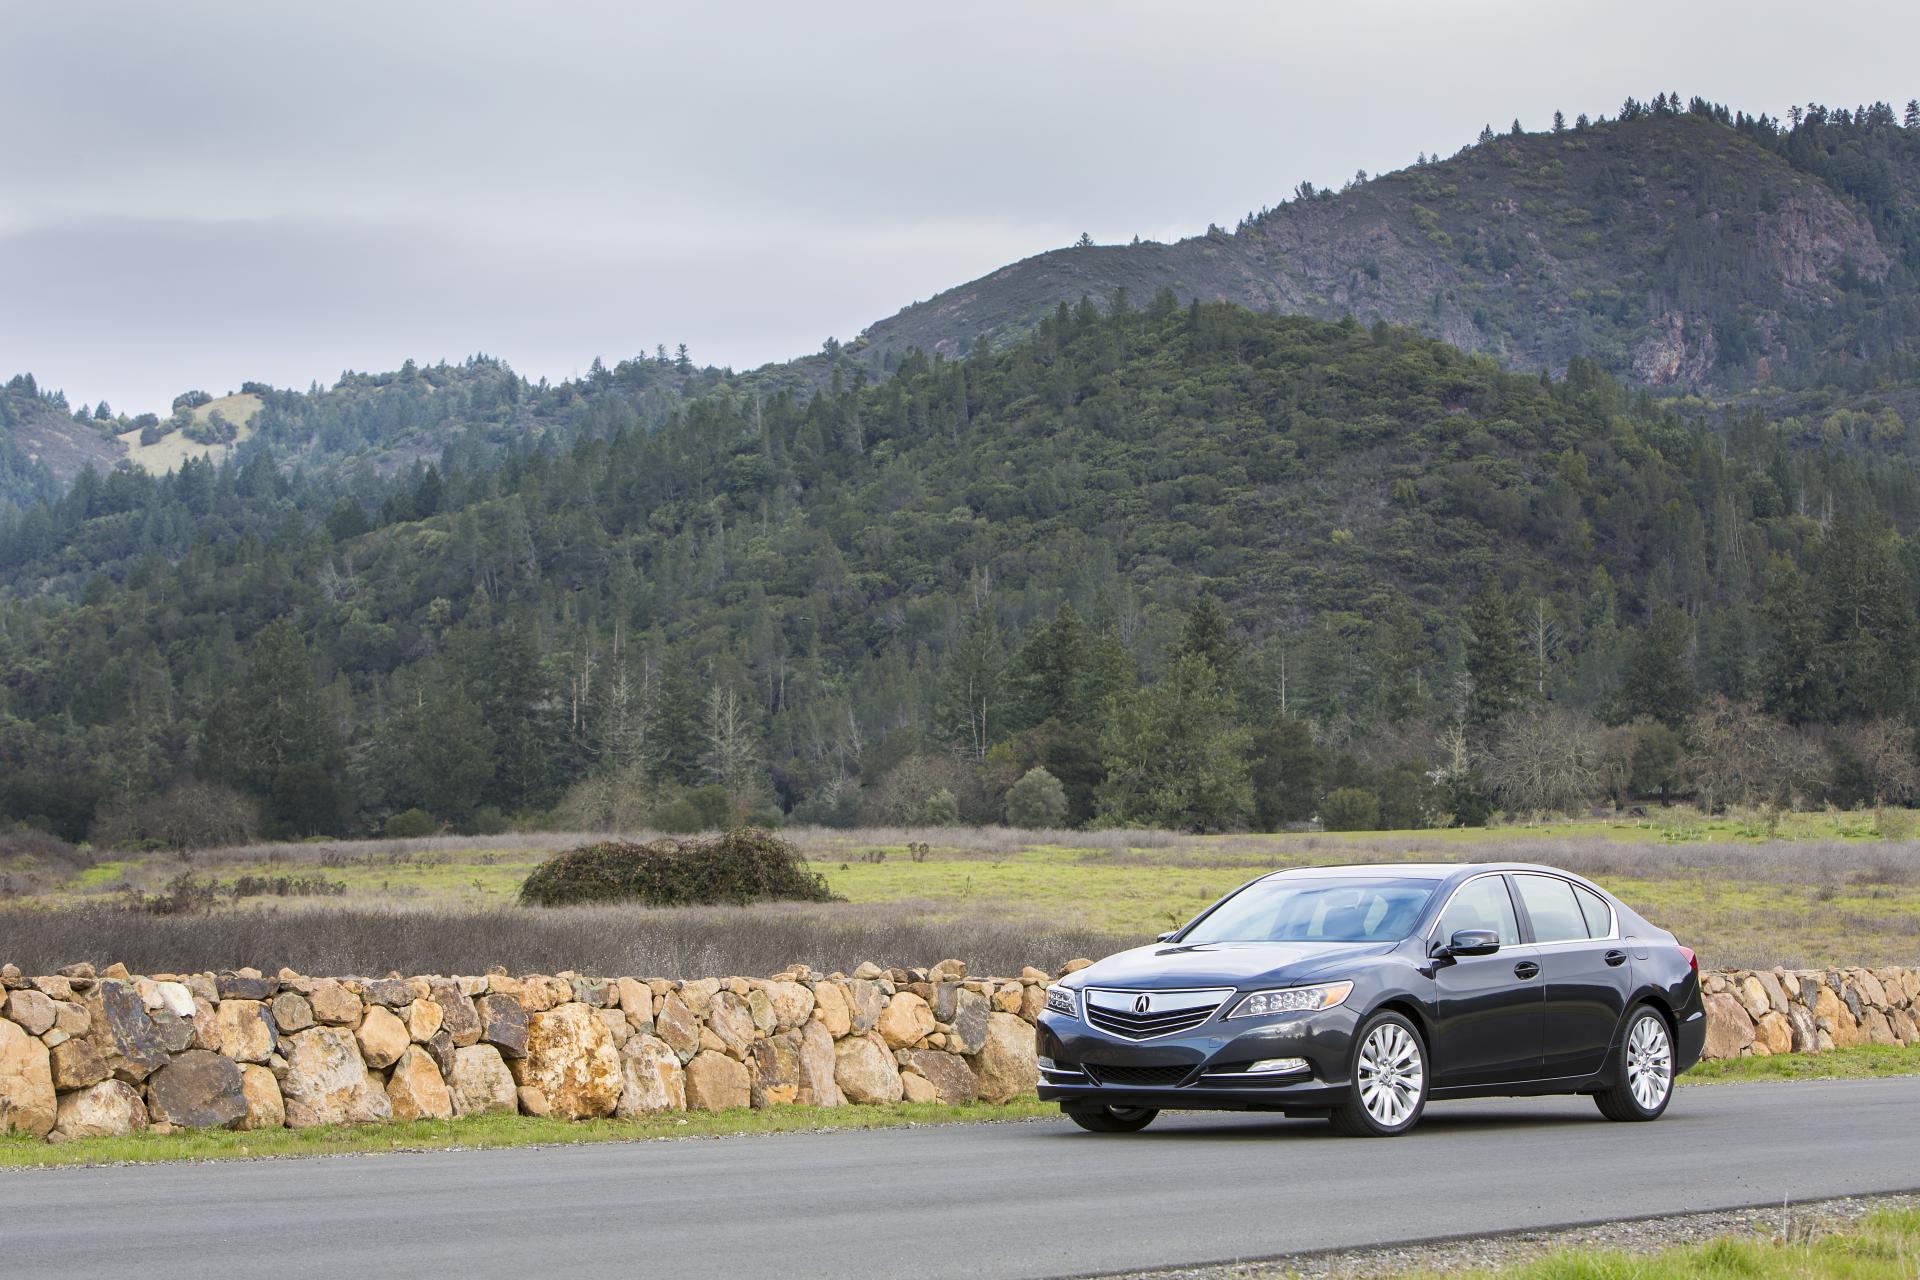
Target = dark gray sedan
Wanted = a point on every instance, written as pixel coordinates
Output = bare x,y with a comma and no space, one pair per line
1360,993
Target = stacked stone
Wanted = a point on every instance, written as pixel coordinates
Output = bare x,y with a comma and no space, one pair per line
88,1055
1757,1012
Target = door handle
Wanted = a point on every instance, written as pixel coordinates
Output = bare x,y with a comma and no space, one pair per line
1525,969
1615,958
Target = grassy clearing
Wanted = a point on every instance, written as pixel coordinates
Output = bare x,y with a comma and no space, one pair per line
1885,1245
483,1132
1826,896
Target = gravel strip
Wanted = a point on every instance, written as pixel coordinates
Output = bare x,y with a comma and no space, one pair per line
1790,1223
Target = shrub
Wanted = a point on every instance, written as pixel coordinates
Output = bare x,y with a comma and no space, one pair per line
487,820
189,815
1036,801
744,865
410,824
1350,809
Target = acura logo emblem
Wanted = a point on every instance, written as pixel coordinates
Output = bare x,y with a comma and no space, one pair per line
1140,1004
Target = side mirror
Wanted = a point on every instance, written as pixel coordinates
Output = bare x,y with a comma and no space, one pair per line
1167,936
1472,942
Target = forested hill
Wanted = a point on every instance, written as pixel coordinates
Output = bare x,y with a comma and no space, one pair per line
1673,246
976,565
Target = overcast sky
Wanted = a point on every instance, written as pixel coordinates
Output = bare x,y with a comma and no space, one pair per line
198,194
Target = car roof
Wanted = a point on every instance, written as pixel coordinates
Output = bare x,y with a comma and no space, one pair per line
1435,871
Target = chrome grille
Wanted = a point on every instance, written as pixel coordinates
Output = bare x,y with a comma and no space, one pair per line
1167,1013
1137,1075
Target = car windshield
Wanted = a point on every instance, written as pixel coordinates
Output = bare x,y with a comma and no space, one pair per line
1302,910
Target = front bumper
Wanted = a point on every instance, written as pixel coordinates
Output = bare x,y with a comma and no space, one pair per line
1205,1060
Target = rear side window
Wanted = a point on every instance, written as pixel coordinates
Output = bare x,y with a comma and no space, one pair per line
1594,907
1552,908
1482,904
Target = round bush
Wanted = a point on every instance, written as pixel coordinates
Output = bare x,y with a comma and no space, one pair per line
1350,809
744,865
411,824
1037,801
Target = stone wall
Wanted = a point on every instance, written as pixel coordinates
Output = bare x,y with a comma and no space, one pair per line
1756,1012
85,1054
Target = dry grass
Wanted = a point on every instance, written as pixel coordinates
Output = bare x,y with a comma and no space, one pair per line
684,942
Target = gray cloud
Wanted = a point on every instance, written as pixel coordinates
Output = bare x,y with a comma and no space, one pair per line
202,193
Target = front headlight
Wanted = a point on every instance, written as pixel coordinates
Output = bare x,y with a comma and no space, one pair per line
1292,1000
1060,1000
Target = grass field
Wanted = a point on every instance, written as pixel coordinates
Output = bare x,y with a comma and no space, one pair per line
1800,890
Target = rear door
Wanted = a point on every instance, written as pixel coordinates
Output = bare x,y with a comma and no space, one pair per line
1490,1011
1585,967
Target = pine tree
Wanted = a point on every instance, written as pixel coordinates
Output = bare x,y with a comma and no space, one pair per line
1912,117
1176,755
1049,675
1793,677
1658,681
272,735
969,695
1494,666
435,750
1208,635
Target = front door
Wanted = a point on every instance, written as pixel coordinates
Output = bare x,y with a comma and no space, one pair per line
1491,1010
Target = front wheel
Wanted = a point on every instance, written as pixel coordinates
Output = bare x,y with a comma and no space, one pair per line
1643,1070
1389,1085
1113,1119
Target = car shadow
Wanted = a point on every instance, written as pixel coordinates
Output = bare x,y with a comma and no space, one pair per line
1228,1126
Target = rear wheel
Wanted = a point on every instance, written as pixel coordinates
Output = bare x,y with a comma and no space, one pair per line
1389,1086
1113,1119
1643,1070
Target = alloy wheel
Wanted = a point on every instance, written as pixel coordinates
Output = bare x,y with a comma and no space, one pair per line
1649,1062
1392,1075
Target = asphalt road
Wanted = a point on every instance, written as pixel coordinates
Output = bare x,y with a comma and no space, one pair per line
978,1201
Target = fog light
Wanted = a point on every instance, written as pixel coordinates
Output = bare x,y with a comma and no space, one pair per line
1277,1067
1046,1064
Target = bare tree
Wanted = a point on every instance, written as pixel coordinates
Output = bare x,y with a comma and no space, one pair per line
732,756
1882,749
1548,759
1737,755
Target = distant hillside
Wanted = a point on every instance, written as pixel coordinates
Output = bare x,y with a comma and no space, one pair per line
42,447
1673,248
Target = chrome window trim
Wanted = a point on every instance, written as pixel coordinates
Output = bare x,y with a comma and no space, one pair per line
1434,931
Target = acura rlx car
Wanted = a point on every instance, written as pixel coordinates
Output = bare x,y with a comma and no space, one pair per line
1360,993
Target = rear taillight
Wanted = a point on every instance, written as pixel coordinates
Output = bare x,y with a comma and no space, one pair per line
1693,961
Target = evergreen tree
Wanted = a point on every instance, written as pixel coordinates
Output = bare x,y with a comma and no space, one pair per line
1285,774
1495,668
969,698
271,735
1176,756
1208,635
435,750
1658,682
1049,675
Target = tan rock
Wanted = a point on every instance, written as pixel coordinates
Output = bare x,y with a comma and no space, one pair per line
716,1082
327,1081
423,1020
539,993
458,1018
532,1100
1868,986
760,1008
949,1073
246,1030
776,1070
906,1022
415,1089
1753,997
792,1003
480,1083
27,1103
817,1066
635,1001
868,970
76,1064
1806,1036
1729,1029
571,1058
111,1109
265,1107
864,1070
651,1078
71,1017
677,1025
1007,998
1006,1066
1877,1029
1905,1030
1075,966
731,1019
947,970
1773,1032
917,1088
35,1011
333,1005
382,1036
615,1020
1032,1001
831,1010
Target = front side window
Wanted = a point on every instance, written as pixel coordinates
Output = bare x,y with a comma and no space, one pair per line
1370,910
1482,904
1551,906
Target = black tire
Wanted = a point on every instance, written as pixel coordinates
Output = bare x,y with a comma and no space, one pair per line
1642,1068
1388,1086
1112,1119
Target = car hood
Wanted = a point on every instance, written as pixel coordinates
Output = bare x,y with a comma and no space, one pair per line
1227,964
